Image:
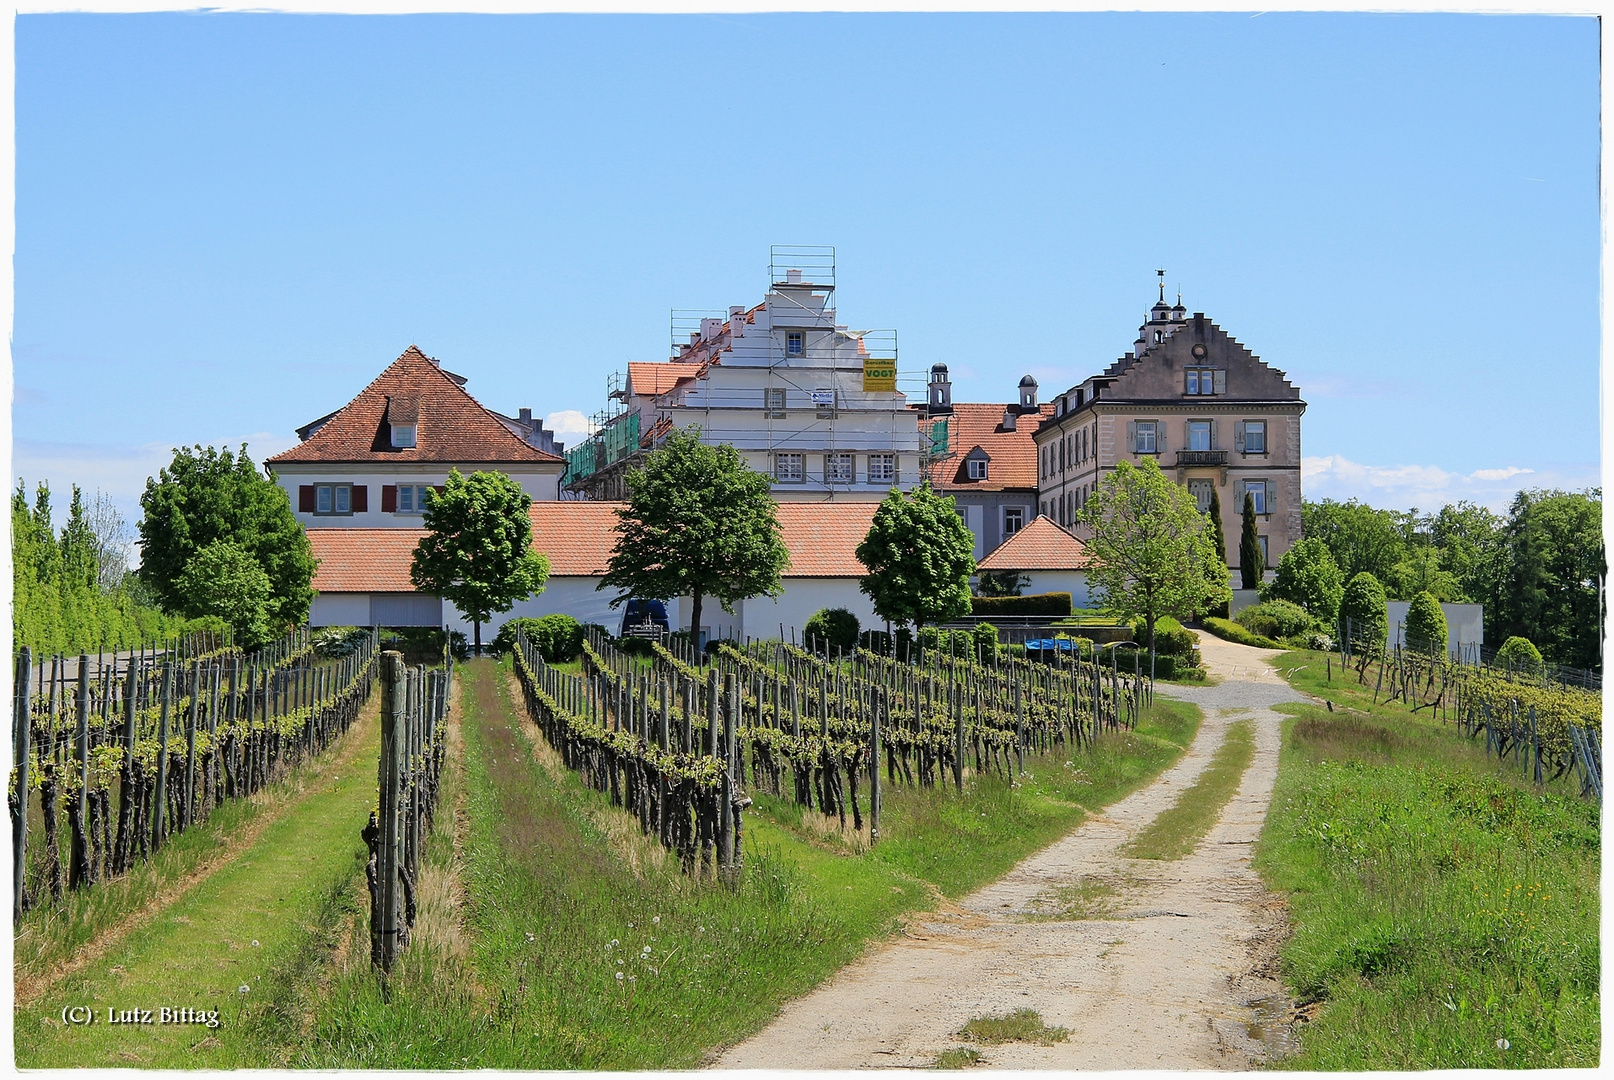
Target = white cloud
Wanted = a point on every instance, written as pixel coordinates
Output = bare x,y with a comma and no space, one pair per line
570,426
1429,487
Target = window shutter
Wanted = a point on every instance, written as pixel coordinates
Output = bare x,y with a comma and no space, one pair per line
389,498
361,499
1238,496
1238,436
1221,381
1132,436
305,498
1160,437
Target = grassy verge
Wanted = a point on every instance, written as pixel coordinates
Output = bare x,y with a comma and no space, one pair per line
238,942
1444,910
588,949
50,934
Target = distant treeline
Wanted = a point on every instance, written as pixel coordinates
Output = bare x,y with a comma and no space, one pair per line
1538,569
73,591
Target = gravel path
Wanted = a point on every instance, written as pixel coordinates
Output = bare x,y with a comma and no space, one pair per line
1174,974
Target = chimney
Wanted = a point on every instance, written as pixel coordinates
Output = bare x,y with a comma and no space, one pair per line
793,277
736,321
525,416
1011,417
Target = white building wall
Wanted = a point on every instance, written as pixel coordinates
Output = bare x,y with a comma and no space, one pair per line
542,486
1465,623
1071,581
376,609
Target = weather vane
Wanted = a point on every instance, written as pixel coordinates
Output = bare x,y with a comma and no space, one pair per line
1162,275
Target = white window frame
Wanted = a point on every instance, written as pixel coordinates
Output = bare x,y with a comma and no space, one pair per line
1209,431
773,402
840,469
337,500
1264,499
978,468
882,468
404,436
1015,515
789,468
798,339
1149,428
1249,426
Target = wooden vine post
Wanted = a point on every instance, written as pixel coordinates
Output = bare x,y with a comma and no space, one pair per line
384,914
80,869
162,757
21,719
874,768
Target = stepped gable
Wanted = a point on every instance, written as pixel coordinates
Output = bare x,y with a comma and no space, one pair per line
1041,545
1012,455
1157,376
452,426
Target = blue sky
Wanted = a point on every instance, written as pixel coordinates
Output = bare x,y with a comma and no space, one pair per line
228,224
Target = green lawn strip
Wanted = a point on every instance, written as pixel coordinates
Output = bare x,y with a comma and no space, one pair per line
1444,911
1177,831
284,893
51,933
555,916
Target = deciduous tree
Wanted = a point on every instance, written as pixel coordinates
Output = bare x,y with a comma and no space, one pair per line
698,522
1152,550
919,555
206,495
224,580
1308,576
477,552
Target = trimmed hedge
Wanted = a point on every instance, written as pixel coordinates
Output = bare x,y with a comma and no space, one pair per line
1052,603
1232,631
1170,639
833,627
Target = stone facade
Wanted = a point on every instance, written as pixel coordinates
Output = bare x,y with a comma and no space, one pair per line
1204,407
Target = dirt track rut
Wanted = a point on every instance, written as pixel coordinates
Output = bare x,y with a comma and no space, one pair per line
1174,973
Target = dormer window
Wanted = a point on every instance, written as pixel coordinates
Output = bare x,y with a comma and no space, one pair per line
403,436
977,468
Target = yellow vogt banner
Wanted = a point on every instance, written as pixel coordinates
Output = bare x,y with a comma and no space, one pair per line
879,375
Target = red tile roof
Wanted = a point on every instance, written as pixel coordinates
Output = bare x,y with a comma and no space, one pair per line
1012,454
649,380
822,537
578,537
452,426
364,560
1042,545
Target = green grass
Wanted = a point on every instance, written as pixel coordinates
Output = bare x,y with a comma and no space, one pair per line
1023,1025
1175,832
958,1057
561,900
1441,906
257,923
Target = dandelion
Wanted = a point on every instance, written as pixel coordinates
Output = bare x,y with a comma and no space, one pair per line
700,929
646,950
1502,1044
530,937
656,919
614,941
619,976
630,926
255,944
243,988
